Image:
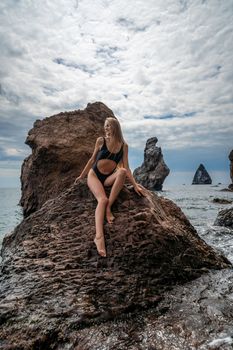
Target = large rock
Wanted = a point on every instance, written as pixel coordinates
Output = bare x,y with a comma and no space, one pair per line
54,285
201,176
225,218
231,169
153,171
56,291
61,146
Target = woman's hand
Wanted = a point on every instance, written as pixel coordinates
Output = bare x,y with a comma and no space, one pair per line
77,179
140,190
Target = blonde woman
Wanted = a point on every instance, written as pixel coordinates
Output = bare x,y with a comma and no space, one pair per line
102,171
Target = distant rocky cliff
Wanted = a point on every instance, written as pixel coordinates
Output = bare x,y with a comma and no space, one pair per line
201,176
153,171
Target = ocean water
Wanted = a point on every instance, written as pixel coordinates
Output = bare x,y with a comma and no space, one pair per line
194,200
10,212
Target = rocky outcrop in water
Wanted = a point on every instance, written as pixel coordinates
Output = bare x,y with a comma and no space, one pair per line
225,218
222,201
231,170
61,145
55,287
153,171
201,176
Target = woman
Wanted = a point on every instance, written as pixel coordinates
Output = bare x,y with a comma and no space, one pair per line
102,171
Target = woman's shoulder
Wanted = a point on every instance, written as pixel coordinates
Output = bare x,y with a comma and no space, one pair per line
100,139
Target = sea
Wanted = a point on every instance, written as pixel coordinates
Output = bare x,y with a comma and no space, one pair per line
11,213
196,201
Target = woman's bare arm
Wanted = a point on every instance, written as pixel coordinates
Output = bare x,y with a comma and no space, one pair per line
138,188
91,161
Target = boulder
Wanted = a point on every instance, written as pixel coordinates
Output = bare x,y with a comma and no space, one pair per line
225,218
153,171
201,176
55,287
61,145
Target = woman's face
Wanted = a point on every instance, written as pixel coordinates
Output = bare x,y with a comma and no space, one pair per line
107,127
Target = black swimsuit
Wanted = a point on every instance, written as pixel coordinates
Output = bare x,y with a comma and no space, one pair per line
105,154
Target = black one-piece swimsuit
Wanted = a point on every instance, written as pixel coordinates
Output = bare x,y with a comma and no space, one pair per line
105,154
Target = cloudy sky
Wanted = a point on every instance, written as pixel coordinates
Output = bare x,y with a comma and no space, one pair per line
164,67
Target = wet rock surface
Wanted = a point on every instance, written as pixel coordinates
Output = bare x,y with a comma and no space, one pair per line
201,176
222,201
55,287
61,146
225,218
227,189
153,171
194,316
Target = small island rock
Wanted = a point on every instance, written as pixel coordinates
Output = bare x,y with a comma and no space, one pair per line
201,176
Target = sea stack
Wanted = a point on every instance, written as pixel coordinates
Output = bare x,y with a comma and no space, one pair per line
201,176
153,171
231,170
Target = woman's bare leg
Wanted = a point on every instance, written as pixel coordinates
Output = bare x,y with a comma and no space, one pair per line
97,189
118,181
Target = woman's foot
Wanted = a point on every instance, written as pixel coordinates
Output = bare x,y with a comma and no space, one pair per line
100,245
109,215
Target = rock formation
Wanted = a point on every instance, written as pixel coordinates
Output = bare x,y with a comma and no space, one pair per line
225,218
61,146
201,176
231,170
153,171
56,291
53,282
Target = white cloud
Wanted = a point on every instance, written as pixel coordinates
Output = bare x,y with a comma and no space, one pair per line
13,151
140,58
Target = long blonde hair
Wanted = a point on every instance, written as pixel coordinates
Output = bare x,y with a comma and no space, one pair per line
116,130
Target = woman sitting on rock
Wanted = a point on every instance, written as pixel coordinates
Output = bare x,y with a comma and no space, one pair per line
102,171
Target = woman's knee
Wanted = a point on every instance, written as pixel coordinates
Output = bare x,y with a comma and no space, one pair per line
103,200
122,172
